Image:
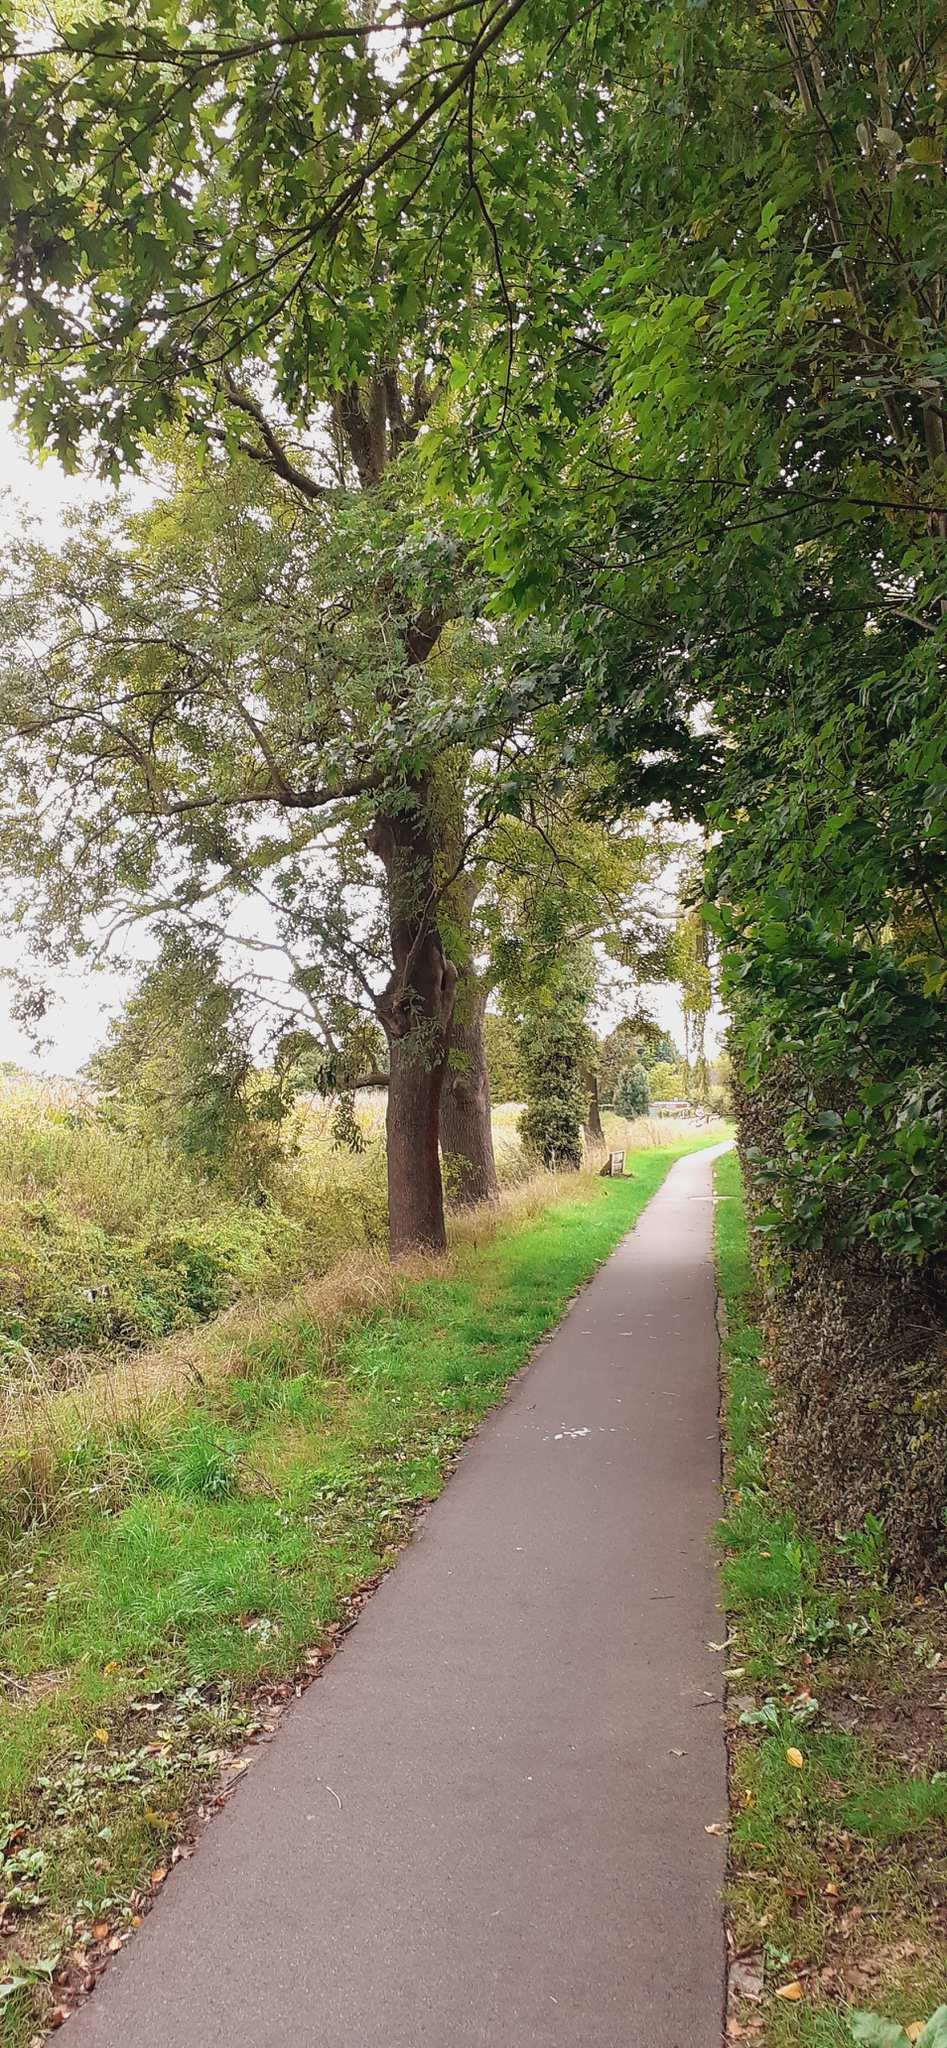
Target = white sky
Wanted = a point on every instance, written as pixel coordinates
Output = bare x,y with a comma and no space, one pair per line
86,1001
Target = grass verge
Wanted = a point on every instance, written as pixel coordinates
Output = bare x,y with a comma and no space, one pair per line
836,1688
185,1563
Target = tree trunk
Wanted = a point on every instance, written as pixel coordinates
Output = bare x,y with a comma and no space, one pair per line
466,1129
594,1133
412,1122
415,1011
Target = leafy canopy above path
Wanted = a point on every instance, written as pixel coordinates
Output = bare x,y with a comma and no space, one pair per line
189,191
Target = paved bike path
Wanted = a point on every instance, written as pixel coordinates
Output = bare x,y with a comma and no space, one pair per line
484,1826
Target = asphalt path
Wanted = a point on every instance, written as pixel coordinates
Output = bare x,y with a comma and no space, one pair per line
486,1822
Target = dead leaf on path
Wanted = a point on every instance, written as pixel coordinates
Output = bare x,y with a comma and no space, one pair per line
792,1991
159,1874
100,1929
715,1827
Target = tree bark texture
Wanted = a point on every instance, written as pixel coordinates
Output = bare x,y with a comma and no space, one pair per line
415,1011
466,1127
594,1133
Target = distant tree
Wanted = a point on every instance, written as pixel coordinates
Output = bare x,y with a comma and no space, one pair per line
555,1047
503,1057
633,1094
660,1047
636,1039
669,1082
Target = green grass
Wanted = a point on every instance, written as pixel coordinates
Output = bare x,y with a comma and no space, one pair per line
837,1867
192,1552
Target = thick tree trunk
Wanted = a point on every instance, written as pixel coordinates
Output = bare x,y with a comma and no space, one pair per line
415,1010
412,1123
466,1128
594,1134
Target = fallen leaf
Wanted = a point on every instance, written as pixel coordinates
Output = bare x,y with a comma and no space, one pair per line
793,1990
715,1827
115,1944
112,1665
677,1752
796,1758
914,2030
136,1919
100,1735
100,1929
159,1874
831,1890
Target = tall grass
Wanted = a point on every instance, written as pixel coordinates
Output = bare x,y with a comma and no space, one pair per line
110,1242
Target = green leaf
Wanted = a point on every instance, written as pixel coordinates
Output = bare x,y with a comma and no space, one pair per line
874,2032
935,2032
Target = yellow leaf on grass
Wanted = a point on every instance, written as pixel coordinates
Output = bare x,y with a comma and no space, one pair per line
796,1758
100,1735
793,1990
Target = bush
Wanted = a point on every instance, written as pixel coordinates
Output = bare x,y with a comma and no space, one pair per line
177,1067
551,1131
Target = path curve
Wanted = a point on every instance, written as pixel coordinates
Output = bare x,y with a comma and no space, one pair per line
522,1737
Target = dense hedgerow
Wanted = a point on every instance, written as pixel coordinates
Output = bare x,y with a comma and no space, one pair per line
857,1350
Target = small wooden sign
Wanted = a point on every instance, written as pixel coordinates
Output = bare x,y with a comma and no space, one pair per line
614,1166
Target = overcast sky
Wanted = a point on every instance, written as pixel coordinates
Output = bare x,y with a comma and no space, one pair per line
85,1001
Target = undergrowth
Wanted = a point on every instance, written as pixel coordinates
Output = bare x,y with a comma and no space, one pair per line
836,1692
182,1552
110,1241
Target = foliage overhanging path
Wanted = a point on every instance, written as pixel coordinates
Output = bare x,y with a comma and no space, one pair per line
493,1818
